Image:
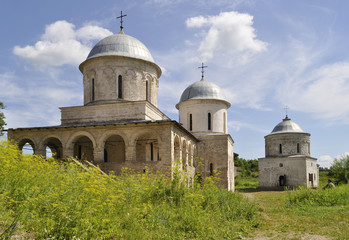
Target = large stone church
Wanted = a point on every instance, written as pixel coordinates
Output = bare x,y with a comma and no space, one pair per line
120,125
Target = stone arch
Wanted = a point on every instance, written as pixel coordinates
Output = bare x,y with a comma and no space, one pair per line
27,140
82,145
176,148
114,148
55,145
147,145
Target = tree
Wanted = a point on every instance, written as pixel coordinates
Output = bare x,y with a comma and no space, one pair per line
340,169
2,117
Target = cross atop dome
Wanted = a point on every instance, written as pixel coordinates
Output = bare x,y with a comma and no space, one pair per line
121,16
202,70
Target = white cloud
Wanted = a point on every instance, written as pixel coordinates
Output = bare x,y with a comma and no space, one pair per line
228,33
326,160
61,44
323,92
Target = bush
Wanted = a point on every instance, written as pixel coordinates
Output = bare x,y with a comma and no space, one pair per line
340,169
61,200
327,197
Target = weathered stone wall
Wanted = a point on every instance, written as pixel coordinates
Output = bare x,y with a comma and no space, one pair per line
216,153
105,72
288,143
111,112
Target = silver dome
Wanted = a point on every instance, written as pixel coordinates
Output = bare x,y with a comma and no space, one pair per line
287,126
203,90
121,45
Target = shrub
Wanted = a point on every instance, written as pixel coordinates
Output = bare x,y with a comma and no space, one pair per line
61,200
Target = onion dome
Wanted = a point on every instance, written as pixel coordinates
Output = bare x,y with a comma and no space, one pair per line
203,90
287,126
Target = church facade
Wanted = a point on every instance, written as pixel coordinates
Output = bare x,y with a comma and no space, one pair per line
287,161
120,126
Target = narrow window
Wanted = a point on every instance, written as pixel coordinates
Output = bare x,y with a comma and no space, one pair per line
93,89
190,122
280,148
146,91
151,152
211,169
298,148
105,155
209,121
120,86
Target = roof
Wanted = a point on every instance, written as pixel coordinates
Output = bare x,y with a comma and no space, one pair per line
287,126
121,45
203,90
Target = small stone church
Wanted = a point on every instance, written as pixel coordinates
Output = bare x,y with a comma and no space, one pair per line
120,125
287,161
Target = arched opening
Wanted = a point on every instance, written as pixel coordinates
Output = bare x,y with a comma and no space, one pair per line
114,149
83,149
147,148
282,180
120,86
298,148
26,146
54,148
176,149
280,148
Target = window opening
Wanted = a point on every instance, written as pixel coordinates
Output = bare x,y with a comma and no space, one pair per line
146,91
120,86
151,152
93,89
280,148
190,122
211,169
298,148
209,121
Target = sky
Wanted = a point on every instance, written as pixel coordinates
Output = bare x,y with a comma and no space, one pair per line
264,54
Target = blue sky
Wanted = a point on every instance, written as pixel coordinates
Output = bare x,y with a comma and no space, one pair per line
265,54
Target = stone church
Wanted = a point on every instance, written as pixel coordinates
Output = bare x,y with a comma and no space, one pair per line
287,161
120,125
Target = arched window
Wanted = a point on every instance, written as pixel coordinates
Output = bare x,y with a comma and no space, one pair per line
298,148
120,86
151,152
209,121
147,91
191,122
280,148
93,89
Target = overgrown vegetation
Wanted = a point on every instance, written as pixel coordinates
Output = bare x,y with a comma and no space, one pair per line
45,199
327,197
340,169
247,173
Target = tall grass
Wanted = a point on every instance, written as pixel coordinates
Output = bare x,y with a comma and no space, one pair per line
327,197
61,200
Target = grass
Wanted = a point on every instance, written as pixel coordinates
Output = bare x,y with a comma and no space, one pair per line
45,199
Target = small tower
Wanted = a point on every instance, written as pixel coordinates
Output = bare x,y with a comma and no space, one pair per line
203,112
287,159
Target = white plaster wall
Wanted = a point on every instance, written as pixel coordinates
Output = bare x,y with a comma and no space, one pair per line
199,110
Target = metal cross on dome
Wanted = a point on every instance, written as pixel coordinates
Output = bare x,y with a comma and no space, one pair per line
121,16
202,69
286,110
